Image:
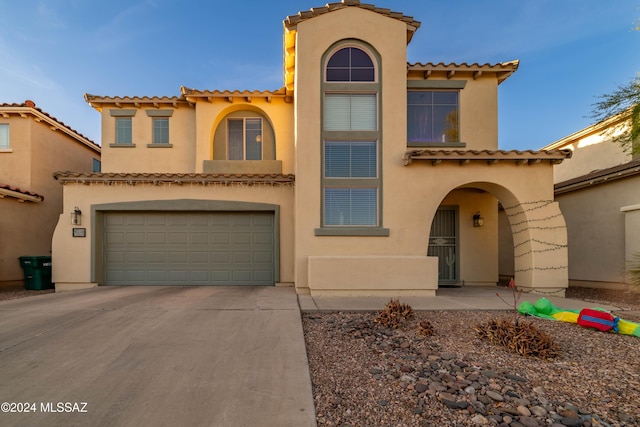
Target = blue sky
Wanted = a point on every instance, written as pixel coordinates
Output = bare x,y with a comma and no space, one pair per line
54,51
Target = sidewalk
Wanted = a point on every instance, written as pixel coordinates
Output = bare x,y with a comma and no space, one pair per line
464,298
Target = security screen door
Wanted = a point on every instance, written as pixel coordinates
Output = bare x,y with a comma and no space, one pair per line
443,243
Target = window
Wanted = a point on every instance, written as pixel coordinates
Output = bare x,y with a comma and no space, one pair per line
350,159
160,130
350,143
349,111
4,137
123,130
244,138
350,64
432,116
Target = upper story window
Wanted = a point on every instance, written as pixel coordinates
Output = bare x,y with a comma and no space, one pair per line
160,130
432,116
123,130
350,64
159,127
244,138
4,137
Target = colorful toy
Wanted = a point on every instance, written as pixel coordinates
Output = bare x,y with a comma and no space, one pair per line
590,318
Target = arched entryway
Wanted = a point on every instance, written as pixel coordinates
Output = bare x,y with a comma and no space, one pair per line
477,223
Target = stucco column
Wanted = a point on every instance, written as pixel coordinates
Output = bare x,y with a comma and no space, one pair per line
540,247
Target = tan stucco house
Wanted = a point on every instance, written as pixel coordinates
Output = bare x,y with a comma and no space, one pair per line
362,175
599,196
33,145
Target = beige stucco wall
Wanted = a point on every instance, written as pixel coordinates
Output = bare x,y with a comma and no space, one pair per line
36,153
598,231
479,113
590,152
211,115
74,266
314,38
411,194
192,132
140,157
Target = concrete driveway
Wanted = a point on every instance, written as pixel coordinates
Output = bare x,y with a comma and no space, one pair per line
161,356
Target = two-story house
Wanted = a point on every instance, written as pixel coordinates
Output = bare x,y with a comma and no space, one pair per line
599,195
33,145
362,175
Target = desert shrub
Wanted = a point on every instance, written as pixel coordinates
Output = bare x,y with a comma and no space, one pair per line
425,328
522,337
394,314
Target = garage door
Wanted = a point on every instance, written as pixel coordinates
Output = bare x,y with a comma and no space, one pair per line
189,248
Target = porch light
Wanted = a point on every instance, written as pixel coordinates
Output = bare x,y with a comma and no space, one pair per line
75,216
478,221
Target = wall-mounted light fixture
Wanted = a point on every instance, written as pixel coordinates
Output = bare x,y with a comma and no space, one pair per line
478,221
76,216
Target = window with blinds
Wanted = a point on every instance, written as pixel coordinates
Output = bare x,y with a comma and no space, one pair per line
350,140
350,111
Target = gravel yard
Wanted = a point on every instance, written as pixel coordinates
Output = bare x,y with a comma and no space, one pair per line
366,375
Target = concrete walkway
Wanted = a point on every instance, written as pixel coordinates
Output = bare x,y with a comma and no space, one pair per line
464,298
156,356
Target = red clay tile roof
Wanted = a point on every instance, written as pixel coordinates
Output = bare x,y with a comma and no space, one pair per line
28,104
173,178
436,156
11,189
293,20
133,99
503,69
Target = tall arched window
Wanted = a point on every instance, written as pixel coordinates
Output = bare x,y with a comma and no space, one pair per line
351,143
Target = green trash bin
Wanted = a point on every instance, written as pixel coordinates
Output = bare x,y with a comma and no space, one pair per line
37,272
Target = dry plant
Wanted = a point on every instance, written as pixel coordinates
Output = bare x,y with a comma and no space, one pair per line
523,338
394,314
518,337
425,328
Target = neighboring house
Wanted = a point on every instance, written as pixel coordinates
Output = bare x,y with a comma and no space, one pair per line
599,195
363,175
33,145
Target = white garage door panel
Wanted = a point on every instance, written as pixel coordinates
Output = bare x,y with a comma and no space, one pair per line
192,248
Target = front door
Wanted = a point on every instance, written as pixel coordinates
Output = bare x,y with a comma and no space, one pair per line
443,243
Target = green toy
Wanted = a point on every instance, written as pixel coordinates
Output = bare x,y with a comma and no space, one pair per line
545,309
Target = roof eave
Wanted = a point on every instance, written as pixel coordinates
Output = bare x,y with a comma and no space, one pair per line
21,196
490,157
